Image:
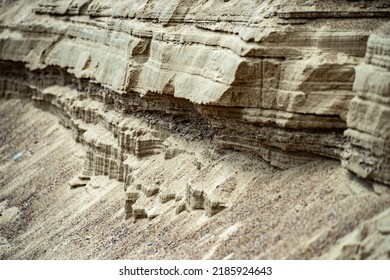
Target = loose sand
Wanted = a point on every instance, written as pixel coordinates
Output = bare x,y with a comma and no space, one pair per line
299,213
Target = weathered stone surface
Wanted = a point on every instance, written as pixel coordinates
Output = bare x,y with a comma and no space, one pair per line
284,97
369,114
271,78
371,240
298,213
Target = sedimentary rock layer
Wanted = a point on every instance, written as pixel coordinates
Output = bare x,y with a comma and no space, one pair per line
284,96
298,213
261,77
368,119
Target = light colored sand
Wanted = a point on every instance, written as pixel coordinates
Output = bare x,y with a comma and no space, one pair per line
299,213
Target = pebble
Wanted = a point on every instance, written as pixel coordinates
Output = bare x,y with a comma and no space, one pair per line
384,229
298,208
384,226
17,156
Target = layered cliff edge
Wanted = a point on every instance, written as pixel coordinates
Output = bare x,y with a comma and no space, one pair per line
292,82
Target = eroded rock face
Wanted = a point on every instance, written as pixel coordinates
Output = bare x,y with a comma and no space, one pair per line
270,84
369,114
370,240
273,78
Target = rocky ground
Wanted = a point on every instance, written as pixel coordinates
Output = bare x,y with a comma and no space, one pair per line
316,210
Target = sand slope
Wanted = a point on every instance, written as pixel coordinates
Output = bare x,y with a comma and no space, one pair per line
299,213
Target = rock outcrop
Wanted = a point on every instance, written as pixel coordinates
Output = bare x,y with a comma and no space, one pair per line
298,213
369,114
272,78
370,240
159,93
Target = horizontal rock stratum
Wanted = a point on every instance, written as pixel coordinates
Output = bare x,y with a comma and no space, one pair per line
290,82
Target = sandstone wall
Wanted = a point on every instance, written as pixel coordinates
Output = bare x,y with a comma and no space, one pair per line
369,114
272,78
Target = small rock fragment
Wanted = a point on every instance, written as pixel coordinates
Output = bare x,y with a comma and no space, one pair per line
17,156
3,240
77,182
384,226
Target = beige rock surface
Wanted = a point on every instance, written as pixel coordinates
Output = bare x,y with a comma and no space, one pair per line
271,85
270,213
369,113
174,106
371,240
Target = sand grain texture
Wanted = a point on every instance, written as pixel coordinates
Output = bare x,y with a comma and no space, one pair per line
298,213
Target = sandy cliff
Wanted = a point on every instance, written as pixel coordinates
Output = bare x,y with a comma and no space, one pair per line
179,102
369,113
